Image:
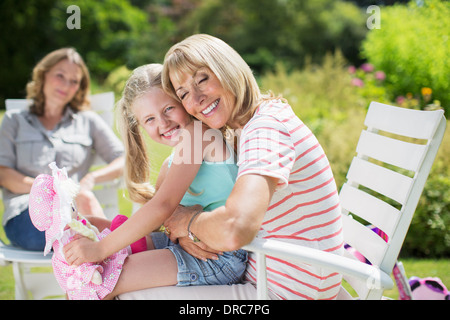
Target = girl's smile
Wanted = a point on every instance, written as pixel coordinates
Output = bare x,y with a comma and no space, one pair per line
161,116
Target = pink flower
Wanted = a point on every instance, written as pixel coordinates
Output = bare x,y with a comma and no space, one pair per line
351,69
400,100
367,67
380,75
357,82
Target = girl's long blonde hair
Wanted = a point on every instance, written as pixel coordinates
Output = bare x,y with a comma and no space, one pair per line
137,164
35,88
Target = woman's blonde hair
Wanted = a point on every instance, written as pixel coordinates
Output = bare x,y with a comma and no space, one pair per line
201,50
35,88
137,164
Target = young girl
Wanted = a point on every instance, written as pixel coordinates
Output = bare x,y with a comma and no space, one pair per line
198,172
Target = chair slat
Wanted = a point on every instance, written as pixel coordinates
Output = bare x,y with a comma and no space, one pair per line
399,153
406,122
370,208
103,104
387,182
367,242
18,104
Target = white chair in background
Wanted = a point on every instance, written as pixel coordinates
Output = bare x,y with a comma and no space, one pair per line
384,183
42,284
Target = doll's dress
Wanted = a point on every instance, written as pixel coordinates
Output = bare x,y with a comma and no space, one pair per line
76,280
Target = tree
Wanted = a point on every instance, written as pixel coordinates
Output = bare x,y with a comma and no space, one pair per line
25,40
32,28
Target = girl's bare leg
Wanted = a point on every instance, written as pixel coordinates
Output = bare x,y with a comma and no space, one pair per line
147,269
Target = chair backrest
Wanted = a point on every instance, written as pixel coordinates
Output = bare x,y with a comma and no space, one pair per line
103,104
17,104
385,180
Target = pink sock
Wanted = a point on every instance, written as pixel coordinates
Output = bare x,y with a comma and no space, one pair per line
138,246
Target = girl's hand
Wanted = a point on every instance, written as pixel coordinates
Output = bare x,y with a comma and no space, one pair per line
81,250
198,250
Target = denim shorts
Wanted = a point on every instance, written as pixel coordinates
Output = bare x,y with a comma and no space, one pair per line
227,270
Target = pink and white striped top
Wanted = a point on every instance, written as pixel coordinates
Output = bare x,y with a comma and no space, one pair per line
305,208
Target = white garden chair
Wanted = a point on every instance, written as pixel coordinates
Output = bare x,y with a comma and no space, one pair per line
394,157
39,285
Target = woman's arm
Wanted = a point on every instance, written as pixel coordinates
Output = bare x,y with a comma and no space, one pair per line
15,181
109,172
231,226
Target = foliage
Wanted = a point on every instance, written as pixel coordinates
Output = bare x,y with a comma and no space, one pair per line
116,80
23,34
413,47
30,29
369,83
429,234
136,32
267,31
109,29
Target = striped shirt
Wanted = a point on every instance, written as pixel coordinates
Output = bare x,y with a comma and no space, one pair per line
304,209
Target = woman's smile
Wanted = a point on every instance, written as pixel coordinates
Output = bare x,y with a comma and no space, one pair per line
196,90
207,111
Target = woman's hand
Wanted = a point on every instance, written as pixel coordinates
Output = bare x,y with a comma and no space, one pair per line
88,182
81,250
87,203
198,250
178,222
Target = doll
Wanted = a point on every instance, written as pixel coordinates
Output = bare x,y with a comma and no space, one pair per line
52,210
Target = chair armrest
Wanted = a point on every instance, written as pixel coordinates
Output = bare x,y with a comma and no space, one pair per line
13,254
373,276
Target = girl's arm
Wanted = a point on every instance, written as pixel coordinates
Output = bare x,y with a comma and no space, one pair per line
151,215
162,173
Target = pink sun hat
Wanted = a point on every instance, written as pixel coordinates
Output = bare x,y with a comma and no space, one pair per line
50,204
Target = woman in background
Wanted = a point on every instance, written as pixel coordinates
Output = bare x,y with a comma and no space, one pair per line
59,126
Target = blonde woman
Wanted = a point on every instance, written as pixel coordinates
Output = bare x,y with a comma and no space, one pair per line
59,127
285,188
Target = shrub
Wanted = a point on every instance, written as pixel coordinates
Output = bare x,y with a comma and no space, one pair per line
116,80
369,83
412,47
429,234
